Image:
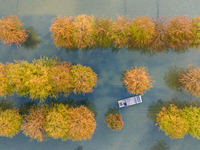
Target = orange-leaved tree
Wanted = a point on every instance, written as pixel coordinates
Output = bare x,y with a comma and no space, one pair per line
180,32
62,29
33,124
137,80
190,80
114,119
81,123
60,77
83,31
11,30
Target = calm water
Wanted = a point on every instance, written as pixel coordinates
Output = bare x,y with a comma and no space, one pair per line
139,132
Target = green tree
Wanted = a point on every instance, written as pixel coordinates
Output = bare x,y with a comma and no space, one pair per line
10,122
192,115
172,121
57,122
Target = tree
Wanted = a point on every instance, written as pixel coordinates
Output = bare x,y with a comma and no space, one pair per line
83,31
172,121
10,122
114,119
11,30
119,32
62,29
57,122
83,79
190,80
81,123
193,118
33,124
137,80
141,31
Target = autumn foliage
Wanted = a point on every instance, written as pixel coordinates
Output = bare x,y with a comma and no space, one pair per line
70,123
45,77
137,80
10,122
190,80
11,30
114,119
177,122
158,35
33,124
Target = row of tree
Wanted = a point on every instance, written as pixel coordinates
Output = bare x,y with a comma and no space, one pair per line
55,121
44,77
158,35
83,31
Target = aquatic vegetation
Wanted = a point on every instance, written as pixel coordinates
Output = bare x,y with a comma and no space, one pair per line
189,79
83,79
180,32
172,121
119,32
172,78
60,77
159,41
102,32
159,145
11,30
33,124
137,80
141,31
83,31
63,30
32,41
81,123
10,122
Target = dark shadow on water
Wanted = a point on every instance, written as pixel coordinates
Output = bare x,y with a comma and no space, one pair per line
155,108
6,104
159,145
112,111
33,40
79,148
172,78
24,108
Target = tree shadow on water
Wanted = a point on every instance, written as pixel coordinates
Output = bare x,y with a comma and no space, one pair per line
172,78
79,148
32,41
159,145
6,104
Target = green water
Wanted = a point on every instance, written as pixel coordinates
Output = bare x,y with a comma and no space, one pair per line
139,132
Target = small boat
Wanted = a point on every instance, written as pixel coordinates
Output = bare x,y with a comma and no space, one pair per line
130,101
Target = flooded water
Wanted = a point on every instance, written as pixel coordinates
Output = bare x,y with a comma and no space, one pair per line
139,132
